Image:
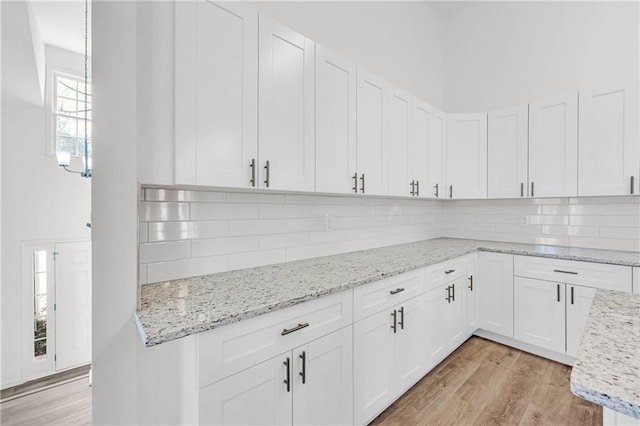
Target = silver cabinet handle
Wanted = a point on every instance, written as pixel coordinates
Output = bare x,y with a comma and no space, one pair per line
417,188
396,291
287,381
401,322
453,292
521,189
532,189
572,294
355,182
632,189
413,185
436,187
558,287
266,176
253,172
286,331
362,181
565,272
449,271
303,373
450,191
470,282
395,321
448,298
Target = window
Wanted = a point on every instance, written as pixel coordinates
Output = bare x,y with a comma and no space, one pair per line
69,112
39,303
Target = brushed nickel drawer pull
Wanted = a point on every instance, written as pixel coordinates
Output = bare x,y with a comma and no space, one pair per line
287,381
413,186
253,172
395,321
418,188
401,322
267,170
396,291
296,328
470,282
355,183
303,373
565,272
436,187
449,271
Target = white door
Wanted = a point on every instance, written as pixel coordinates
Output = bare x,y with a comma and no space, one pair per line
286,108
579,301
410,343
494,286
401,182
507,152
73,304
436,161
466,155
435,304
454,318
216,94
419,159
335,123
373,380
553,147
323,380
471,301
255,396
372,134
539,313
609,153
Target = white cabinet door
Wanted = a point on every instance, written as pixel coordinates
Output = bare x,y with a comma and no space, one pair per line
471,301
400,139
256,396
553,147
286,107
539,313
410,345
216,93
435,186
495,293
609,152
454,318
579,301
373,380
335,122
372,134
466,155
323,380
419,158
434,337
507,152
73,304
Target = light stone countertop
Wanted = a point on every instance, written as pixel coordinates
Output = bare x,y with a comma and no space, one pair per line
607,367
178,308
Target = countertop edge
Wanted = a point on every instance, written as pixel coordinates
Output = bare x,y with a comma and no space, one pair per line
608,401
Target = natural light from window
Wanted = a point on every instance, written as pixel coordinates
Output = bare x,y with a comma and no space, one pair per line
69,112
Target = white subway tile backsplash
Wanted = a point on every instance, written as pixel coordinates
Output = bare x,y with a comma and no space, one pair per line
165,271
310,224
219,246
167,231
256,258
160,252
278,211
257,227
162,211
220,211
284,240
247,197
143,235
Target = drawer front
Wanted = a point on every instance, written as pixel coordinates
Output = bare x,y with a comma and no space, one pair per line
230,349
444,272
596,275
372,298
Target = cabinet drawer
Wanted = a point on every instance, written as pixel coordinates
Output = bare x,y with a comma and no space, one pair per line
597,275
229,349
444,272
375,297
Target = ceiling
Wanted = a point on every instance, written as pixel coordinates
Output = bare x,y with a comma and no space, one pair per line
61,23
446,8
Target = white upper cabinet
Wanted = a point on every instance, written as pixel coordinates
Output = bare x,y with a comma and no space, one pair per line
286,108
553,147
609,154
401,181
216,93
466,155
436,161
507,152
372,150
335,122
420,153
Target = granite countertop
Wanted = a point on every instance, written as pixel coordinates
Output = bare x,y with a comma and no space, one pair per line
607,367
174,309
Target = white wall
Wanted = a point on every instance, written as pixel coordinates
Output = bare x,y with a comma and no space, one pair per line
399,41
499,54
40,201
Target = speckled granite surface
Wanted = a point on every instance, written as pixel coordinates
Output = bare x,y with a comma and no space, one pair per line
607,367
178,308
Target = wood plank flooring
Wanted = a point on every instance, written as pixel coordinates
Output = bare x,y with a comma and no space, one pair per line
485,383
482,383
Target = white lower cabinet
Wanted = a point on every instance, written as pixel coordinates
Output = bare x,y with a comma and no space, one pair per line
539,308
388,356
309,385
495,293
470,299
579,301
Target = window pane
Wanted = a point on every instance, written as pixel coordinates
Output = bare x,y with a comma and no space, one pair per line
68,107
67,126
40,308
70,112
40,329
67,87
40,261
70,145
40,283
40,347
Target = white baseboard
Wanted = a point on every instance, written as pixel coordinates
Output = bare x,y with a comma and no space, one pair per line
526,347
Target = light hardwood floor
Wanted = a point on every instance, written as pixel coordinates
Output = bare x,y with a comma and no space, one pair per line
485,383
481,383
